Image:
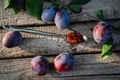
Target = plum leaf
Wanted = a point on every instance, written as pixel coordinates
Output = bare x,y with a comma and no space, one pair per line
100,15
75,8
107,49
6,3
34,8
11,4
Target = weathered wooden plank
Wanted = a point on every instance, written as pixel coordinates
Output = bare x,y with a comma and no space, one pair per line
36,45
111,77
86,66
111,9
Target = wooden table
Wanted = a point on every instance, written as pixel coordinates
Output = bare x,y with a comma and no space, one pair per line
15,62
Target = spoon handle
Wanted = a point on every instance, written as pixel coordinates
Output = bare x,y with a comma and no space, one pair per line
34,31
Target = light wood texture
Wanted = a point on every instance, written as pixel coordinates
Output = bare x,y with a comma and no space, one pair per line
86,66
110,7
43,45
15,62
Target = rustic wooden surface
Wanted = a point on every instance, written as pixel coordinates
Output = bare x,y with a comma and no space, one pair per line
111,10
15,62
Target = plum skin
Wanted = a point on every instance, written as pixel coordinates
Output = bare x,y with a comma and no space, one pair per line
12,39
102,32
64,62
62,19
48,14
21,4
40,65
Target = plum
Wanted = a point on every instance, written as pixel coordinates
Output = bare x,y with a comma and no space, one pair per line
102,32
11,39
64,62
62,18
40,65
21,4
48,14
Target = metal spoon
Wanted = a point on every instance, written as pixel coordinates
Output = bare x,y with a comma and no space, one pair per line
34,31
37,32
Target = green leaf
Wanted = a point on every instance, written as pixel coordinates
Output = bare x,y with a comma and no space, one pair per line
100,15
75,8
107,49
16,10
34,8
12,4
80,2
6,3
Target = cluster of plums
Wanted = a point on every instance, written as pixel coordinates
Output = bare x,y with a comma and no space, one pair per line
59,15
64,62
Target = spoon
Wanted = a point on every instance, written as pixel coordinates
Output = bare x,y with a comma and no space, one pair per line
38,32
34,31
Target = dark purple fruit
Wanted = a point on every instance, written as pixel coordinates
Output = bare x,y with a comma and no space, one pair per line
62,19
102,32
64,62
12,39
48,14
21,4
40,65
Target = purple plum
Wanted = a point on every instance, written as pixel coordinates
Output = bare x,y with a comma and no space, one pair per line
48,14
40,65
62,19
64,62
102,32
11,39
21,4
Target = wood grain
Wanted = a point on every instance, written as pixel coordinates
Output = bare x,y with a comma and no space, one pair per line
86,66
15,62
109,77
110,7
43,45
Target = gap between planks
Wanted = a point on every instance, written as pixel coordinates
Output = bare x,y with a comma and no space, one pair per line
43,45
53,55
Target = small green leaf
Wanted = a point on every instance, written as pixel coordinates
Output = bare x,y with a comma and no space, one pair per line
6,4
11,4
100,15
107,54
16,10
75,8
80,2
34,8
107,49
